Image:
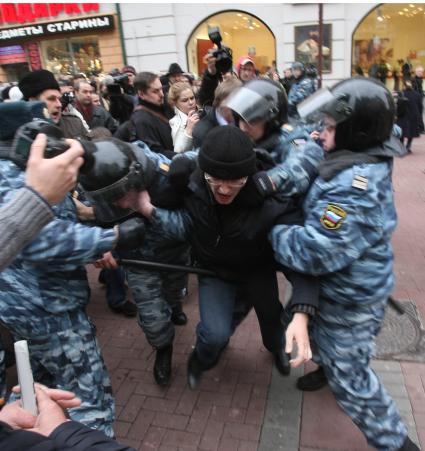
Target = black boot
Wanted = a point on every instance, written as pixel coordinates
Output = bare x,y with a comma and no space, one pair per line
409,446
178,316
312,381
194,371
162,367
281,360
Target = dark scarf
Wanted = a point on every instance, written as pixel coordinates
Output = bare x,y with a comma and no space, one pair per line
157,111
86,111
338,160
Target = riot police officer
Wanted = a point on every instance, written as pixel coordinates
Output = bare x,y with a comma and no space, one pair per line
349,219
302,87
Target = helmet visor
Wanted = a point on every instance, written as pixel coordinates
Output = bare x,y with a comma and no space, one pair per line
325,102
249,105
111,193
107,214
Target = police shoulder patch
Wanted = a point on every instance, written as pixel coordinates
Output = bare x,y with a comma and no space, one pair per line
333,217
288,127
359,182
164,167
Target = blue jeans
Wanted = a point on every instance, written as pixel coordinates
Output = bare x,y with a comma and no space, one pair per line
217,307
115,288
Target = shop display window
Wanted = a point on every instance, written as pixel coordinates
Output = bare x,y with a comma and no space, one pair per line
72,56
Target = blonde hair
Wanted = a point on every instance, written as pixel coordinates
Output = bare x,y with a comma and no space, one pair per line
175,91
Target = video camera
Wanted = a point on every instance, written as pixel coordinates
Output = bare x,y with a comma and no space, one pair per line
67,98
223,54
56,143
119,81
26,134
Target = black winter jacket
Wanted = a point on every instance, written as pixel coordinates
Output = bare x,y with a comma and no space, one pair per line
151,126
232,239
69,436
207,123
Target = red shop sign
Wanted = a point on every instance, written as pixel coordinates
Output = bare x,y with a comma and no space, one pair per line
12,13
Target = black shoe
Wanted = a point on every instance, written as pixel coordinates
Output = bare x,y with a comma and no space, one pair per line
409,446
281,360
194,371
312,381
128,309
162,367
178,316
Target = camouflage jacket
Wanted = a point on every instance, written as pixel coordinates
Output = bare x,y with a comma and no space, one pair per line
300,90
297,158
48,278
346,236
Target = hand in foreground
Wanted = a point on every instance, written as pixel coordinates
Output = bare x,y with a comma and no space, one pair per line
50,403
84,213
52,178
106,262
50,414
145,205
297,331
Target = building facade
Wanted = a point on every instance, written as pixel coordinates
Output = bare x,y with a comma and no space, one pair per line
355,34
65,38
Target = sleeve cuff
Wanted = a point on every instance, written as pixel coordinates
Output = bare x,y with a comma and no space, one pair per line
303,308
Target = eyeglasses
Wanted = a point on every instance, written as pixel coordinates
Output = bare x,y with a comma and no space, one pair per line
236,183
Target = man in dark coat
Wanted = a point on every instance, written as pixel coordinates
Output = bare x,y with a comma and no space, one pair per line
417,86
409,118
95,116
149,119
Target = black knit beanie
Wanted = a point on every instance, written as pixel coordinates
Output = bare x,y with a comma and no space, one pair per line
36,82
227,153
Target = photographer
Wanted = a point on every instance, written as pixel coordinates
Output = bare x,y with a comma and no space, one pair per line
95,116
121,104
219,62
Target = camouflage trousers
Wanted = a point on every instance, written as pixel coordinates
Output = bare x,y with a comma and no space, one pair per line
343,340
71,360
156,294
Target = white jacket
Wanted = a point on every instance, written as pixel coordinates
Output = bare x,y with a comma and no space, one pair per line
181,140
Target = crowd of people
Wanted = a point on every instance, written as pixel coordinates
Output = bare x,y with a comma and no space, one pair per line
240,176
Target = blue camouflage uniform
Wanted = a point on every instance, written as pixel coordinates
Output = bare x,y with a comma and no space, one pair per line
300,90
44,293
156,293
349,220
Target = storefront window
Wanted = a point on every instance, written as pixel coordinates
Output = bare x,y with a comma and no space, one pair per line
243,33
389,40
72,56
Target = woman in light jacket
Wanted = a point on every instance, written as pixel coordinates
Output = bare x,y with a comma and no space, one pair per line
182,98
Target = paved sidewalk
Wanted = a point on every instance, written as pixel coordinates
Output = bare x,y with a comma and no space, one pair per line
242,405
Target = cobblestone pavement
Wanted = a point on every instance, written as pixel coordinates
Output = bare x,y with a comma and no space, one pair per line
242,405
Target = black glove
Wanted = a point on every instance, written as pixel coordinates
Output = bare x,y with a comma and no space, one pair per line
263,183
181,168
131,234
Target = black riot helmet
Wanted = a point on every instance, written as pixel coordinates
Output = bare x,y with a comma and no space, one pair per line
260,100
113,168
362,108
